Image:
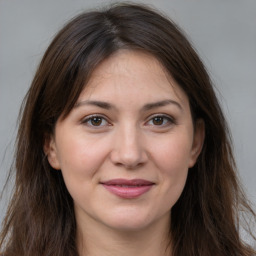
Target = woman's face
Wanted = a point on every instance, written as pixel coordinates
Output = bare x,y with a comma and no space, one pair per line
126,147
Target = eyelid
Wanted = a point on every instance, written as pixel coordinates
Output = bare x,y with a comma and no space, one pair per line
171,120
86,119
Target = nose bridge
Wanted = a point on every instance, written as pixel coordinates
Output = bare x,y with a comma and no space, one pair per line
128,147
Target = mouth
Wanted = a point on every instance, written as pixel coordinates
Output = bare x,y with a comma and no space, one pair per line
128,188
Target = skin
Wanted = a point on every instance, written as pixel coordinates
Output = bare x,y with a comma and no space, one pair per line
130,137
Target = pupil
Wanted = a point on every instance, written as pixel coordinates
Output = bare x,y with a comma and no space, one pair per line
158,120
96,121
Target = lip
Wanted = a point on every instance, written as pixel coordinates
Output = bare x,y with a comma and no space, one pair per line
128,188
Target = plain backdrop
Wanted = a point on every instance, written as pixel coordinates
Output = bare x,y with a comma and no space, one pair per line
222,31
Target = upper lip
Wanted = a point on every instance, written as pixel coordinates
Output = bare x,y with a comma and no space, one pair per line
132,182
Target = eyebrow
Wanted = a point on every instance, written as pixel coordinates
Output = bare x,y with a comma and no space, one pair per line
147,107
101,104
162,103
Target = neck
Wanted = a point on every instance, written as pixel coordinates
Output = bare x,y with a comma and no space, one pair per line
151,241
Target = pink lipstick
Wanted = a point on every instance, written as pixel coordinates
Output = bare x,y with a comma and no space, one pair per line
128,188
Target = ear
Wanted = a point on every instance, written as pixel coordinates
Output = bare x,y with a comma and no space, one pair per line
50,151
198,141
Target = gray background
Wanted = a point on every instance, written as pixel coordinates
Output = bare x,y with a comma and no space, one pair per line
223,32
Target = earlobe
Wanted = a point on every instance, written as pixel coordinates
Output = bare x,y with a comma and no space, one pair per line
50,151
198,141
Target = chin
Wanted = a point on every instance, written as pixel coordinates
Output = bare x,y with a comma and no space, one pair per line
130,221
129,226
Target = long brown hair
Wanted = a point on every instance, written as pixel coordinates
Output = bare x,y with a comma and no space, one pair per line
40,218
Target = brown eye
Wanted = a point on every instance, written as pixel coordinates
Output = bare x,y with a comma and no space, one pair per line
96,121
158,120
161,121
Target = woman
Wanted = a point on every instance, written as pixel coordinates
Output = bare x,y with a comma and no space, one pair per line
122,148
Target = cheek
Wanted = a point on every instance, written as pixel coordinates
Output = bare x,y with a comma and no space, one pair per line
173,152
80,160
173,159
80,155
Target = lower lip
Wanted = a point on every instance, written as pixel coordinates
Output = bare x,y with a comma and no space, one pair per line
128,192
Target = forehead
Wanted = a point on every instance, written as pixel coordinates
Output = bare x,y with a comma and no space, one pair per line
133,73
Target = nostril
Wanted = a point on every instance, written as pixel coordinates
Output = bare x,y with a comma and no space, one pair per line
129,165
128,150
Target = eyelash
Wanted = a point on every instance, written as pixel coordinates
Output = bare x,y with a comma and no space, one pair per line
96,116
165,118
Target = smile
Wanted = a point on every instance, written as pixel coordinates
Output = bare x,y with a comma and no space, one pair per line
128,188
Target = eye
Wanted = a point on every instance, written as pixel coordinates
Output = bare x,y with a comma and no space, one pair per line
160,120
95,121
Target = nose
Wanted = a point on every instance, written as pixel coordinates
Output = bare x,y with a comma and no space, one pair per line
128,148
